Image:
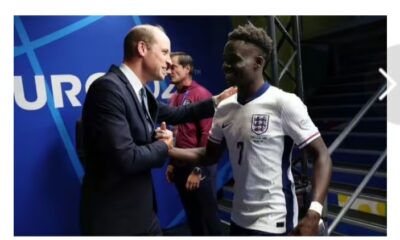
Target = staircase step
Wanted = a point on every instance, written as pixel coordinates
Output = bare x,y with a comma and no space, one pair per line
373,45
371,84
378,195
341,98
366,124
228,193
377,110
356,223
224,210
358,77
358,161
370,201
358,140
351,174
360,158
353,84
359,52
351,68
364,58
354,175
224,216
225,203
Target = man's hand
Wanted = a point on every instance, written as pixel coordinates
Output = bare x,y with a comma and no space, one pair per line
193,181
308,226
223,95
165,135
169,174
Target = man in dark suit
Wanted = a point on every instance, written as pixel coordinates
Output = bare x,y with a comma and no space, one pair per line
119,144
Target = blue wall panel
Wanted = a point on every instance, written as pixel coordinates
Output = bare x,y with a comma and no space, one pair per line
63,53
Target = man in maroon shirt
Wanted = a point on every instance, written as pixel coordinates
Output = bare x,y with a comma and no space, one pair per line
196,185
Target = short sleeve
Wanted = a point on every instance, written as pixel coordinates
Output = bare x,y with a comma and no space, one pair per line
216,135
297,123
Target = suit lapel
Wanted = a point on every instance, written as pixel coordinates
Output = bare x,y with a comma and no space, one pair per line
138,105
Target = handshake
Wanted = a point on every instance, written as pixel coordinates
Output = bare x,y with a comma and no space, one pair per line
165,135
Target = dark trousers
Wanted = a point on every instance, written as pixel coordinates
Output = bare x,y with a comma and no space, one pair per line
96,220
200,205
236,230
155,228
89,228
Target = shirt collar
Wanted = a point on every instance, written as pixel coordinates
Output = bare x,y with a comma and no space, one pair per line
132,78
186,88
259,92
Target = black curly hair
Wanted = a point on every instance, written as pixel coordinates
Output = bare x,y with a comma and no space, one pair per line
252,34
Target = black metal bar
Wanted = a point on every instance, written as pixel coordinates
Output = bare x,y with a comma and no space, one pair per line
249,19
274,55
282,40
299,66
288,72
285,69
285,33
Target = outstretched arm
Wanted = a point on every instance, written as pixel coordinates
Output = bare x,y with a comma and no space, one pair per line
201,156
192,112
322,175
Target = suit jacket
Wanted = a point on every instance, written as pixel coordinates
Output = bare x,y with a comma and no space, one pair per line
117,190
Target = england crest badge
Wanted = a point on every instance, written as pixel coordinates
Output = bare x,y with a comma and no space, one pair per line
259,123
186,101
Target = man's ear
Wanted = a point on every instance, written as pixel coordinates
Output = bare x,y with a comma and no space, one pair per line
187,68
142,48
260,61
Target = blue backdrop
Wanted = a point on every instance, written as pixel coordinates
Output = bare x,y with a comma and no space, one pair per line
55,60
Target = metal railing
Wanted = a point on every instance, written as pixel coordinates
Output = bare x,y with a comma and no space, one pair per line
374,168
355,120
357,192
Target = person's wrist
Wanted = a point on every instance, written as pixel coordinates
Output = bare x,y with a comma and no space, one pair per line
196,171
316,207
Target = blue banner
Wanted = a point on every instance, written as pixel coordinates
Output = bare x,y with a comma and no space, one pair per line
56,58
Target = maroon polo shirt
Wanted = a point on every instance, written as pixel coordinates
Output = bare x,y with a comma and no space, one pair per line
194,134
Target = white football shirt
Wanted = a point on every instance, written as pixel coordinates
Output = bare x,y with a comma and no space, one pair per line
259,136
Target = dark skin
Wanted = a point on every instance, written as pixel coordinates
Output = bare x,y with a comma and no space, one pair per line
243,67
